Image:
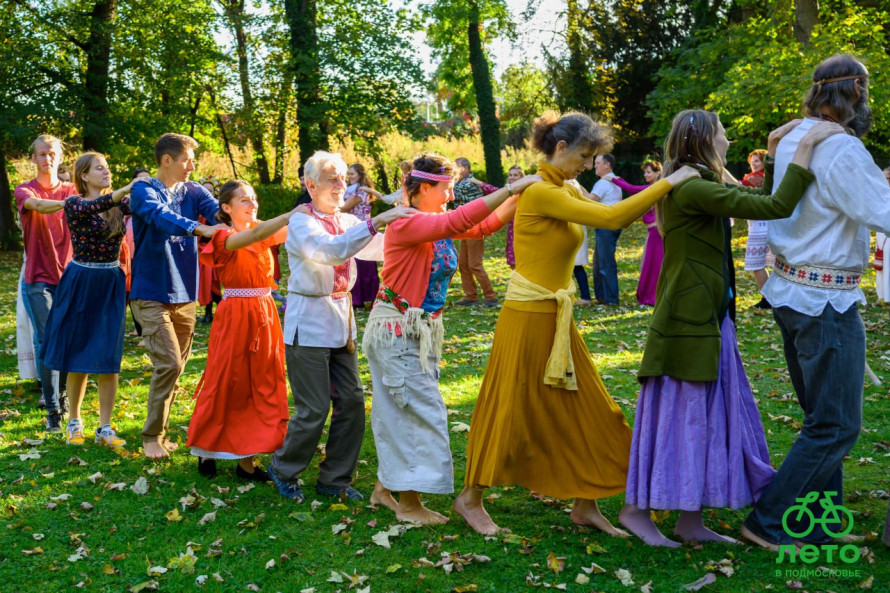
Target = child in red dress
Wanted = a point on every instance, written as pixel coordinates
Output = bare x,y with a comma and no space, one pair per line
242,398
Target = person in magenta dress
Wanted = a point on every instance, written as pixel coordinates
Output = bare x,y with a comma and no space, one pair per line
241,409
513,175
653,254
357,202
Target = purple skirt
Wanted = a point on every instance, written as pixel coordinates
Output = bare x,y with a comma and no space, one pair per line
651,268
698,444
366,282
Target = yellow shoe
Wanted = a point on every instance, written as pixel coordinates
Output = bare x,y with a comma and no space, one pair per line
106,436
74,433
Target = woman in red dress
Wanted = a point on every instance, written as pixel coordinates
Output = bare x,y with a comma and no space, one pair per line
242,398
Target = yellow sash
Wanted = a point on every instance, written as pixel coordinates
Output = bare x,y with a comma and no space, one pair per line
560,370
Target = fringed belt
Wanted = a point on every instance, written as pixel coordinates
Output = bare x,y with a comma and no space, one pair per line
830,278
392,317
243,293
97,264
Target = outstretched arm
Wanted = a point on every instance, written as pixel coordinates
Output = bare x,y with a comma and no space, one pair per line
263,230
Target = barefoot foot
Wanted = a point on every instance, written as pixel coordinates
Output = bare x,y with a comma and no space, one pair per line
639,522
421,515
469,505
701,533
754,538
170,446
383,497
586,513
154,450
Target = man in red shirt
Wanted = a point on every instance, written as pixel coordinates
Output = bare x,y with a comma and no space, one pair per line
47,251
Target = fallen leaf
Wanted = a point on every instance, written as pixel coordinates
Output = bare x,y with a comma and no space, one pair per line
595,549
218,503
63,496
309,590
337,528
31,454
146,586
37,536
625,577
582,579
381,539
336,577
208,518
86,506
338,506
867,583
155,571
702,582
173,515
647,588
140,486
95,477
594,569
117,486
460,427
393,568
76,461
315,504
301,516
556,563
200,580
246,488
270,564
79,554
33,551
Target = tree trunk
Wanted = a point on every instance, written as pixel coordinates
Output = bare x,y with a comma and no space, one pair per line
806,17
581,89
488,118
383,178
194,113
234,10
281,127
311,110
98,53
7,220
222,129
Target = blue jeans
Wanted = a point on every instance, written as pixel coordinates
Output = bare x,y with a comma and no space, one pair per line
605,268
581,281
38,300
826,362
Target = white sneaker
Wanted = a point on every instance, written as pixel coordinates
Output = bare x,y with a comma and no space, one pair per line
106,436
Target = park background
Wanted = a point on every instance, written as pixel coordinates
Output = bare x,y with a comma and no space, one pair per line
262,85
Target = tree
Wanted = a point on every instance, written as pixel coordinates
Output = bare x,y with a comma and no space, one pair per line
458,31
526,94
755,73
238,20
313,122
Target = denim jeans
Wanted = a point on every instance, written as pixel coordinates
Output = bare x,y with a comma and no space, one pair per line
38,300
581,281
826,362
605,268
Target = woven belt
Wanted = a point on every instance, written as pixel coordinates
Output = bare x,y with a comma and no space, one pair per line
246,292
97,264
830,278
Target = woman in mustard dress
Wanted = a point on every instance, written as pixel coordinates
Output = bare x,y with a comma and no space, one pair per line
544,419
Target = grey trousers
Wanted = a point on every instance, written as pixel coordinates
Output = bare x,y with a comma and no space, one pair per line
320,378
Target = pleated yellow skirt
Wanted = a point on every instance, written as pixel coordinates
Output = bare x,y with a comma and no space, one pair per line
560,443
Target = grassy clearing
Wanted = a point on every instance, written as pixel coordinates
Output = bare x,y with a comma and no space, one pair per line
66,526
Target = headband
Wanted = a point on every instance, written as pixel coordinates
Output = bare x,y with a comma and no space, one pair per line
819,83
430,176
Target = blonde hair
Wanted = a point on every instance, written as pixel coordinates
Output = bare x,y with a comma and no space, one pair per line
113,217
47,139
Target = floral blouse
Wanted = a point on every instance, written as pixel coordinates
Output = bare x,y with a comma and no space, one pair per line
89,231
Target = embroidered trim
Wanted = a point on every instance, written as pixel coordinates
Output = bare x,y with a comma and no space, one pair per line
830,278
246,292
97,264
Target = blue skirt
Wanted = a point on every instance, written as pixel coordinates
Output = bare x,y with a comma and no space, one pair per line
85,328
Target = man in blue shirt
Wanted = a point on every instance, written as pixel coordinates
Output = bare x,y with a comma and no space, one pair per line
165,274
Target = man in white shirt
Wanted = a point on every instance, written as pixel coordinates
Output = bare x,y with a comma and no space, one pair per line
320,333
605,268
821,251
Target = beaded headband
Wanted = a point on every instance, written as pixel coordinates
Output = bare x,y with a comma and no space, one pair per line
430,176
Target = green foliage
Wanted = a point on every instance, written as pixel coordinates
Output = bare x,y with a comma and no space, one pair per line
526,94
755,74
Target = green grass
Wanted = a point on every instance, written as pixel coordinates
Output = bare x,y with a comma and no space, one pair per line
127,534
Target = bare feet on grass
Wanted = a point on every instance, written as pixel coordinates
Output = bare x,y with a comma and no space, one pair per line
170,446
587,514
639,522
754,538
468,505
411,509
154,450
691,528
383,497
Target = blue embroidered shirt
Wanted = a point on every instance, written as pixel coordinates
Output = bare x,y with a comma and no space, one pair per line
165,262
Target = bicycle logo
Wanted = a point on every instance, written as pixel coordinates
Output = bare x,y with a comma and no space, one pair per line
833,516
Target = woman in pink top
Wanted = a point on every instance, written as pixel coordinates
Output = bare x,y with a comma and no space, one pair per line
653,254
403,338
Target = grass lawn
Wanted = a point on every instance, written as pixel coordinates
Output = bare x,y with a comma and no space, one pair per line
72,517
